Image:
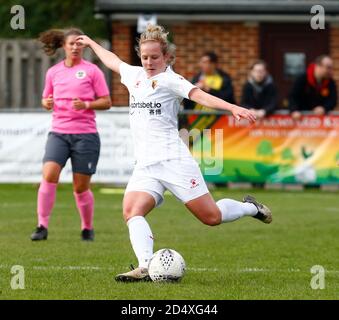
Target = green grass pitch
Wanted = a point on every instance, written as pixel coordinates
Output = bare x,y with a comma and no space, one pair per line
245,259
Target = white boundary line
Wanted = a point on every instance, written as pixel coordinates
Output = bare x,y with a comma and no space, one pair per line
194,269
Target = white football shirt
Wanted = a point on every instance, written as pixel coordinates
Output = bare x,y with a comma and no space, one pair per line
154,105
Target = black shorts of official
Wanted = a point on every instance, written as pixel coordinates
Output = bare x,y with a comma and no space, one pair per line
83,150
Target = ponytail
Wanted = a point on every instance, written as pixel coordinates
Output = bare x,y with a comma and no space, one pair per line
54,39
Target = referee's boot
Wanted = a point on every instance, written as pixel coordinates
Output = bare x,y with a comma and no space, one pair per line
135,275
87,235
264,213
41,233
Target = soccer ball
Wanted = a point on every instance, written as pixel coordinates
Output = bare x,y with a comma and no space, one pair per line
166,265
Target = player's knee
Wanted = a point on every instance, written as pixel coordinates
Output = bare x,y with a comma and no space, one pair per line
51,172
213,219
51,178
80,185
129,212
212,222
80,188
136,207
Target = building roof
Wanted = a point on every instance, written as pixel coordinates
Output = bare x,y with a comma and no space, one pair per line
215,6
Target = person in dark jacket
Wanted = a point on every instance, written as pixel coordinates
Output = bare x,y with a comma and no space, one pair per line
259,92
315,90
213,80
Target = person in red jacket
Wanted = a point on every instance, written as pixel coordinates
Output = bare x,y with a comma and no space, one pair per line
315,90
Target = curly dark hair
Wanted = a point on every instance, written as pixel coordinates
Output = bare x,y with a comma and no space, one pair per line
212,56
54,39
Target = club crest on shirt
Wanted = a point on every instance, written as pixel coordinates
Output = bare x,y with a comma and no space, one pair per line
154,84
194,183
137,84
80,74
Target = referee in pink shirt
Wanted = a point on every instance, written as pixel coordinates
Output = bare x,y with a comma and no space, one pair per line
74,89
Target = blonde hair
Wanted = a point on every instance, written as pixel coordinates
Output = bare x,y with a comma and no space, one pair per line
158,34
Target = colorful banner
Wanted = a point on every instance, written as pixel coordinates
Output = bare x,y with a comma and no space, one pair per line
276,149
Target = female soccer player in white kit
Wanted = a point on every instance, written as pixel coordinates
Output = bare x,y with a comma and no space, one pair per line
163,161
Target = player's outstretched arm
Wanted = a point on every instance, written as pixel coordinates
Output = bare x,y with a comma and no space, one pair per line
207,100
109,59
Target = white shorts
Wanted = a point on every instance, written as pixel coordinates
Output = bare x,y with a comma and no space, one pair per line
182,177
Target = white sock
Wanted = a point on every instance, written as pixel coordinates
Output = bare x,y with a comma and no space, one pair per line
141,238
232,210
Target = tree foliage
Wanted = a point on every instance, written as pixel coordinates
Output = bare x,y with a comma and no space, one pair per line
287,154
43,15
265,148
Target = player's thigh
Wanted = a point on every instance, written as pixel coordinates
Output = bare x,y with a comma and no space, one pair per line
57,152
137,203
205,209
143,192
85,151
81,182
184,179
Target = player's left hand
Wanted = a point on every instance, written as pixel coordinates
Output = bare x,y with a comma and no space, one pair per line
240,112
78,104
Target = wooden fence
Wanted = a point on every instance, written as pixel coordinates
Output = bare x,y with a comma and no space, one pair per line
23,66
